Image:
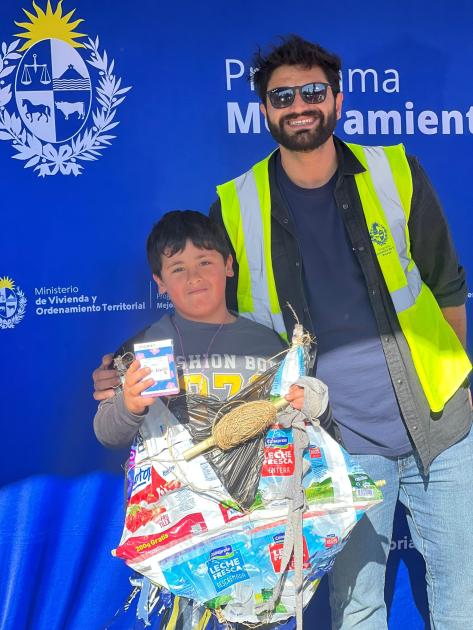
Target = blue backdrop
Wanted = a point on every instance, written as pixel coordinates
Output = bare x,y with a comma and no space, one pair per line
88,165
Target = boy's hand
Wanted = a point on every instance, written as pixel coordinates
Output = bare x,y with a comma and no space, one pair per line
135,383
295,396
105,379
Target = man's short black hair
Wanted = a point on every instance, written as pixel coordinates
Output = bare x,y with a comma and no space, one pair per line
294,51
171,233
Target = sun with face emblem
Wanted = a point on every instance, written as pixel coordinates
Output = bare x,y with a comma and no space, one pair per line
54,82
7,283
49,24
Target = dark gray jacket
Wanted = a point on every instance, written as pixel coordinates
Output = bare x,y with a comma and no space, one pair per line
429,235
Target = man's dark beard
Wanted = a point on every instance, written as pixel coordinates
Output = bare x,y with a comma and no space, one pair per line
306,139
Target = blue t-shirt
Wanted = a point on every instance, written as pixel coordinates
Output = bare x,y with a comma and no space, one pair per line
350,355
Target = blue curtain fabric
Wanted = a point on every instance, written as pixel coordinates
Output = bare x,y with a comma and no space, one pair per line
56,535
149,113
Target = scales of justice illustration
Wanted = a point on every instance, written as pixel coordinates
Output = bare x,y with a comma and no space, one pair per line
71,83
45,77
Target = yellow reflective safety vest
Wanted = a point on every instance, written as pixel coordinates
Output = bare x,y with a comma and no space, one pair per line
385,190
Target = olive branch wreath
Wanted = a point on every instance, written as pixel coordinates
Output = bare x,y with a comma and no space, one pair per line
86,146
11,322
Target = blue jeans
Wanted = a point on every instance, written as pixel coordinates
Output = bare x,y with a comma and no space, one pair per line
439,510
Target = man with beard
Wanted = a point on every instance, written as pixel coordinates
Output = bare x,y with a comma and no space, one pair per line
354,239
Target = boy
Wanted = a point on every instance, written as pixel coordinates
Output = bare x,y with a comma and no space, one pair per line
216,351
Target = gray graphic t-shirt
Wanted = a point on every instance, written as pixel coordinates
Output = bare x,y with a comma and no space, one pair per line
212,360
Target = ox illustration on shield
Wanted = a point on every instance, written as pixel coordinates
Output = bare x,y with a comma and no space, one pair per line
53,90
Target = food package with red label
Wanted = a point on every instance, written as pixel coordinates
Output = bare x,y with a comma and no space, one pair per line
184,531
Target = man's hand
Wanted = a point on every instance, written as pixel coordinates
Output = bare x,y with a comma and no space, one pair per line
295,396
135,383
105,379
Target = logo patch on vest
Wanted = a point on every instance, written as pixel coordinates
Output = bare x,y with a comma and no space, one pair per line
378,234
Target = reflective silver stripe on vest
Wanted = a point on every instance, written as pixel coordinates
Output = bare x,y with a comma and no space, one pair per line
254,244
385,187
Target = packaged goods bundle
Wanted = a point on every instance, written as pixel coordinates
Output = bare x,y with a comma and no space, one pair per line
247,532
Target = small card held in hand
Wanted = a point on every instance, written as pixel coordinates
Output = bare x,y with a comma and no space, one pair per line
159,357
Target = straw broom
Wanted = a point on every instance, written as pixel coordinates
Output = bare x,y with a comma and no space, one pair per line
239,425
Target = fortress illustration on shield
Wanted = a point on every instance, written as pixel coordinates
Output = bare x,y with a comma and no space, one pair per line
12,303
56,113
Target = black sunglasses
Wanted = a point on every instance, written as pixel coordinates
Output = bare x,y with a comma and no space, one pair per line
311,93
